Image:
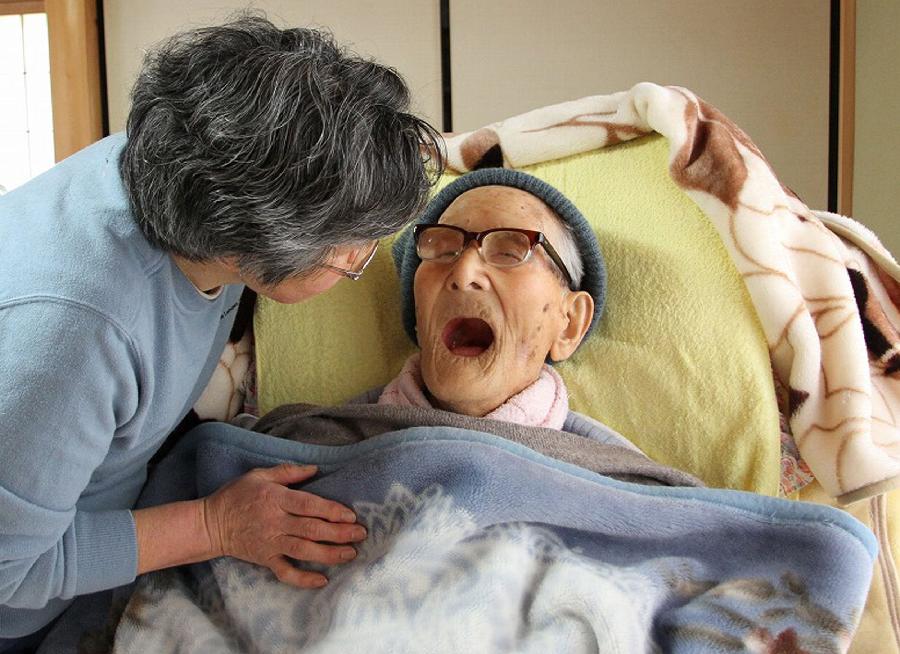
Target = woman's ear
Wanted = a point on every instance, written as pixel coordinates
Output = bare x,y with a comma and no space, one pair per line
230,264
579,310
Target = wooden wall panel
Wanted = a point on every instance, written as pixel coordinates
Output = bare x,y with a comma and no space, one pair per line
876,178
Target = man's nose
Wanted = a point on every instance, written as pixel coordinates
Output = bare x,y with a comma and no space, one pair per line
468,272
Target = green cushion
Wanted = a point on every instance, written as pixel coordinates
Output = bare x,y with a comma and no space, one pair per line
679,363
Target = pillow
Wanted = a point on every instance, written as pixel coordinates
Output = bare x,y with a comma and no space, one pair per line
679,363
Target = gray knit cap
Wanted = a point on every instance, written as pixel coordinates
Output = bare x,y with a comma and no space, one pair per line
407,261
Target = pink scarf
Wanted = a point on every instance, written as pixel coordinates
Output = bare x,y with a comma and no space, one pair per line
543,404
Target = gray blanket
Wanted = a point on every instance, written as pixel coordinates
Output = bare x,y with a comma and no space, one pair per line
589,449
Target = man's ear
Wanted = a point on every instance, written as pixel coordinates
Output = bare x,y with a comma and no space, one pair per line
579,308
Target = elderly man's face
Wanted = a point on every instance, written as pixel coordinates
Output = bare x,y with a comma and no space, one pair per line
486,331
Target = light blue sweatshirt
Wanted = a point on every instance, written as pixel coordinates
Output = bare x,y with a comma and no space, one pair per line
104,346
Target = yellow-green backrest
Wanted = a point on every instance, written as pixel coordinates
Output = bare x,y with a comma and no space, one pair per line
678,364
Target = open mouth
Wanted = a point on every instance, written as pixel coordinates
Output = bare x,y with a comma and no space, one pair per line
468,337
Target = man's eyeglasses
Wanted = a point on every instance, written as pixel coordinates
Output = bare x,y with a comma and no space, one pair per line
356,271
503,247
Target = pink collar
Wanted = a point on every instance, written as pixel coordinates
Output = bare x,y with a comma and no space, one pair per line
543,404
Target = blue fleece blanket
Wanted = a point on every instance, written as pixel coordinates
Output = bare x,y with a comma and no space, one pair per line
478,544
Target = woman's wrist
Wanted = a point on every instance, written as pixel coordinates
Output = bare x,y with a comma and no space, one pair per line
211,528
173,534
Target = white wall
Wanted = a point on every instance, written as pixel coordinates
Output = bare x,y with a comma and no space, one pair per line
401,33
876,170
764,63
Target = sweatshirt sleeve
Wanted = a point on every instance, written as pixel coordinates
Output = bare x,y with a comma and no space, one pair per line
69,378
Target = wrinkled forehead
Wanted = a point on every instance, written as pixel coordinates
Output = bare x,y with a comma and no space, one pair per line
487,207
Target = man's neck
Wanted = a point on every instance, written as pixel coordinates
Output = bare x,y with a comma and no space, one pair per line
475,409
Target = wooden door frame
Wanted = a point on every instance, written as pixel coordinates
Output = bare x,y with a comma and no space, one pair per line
16,7
74,74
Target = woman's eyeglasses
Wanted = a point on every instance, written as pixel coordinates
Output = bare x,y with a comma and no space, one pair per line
355,271
503,247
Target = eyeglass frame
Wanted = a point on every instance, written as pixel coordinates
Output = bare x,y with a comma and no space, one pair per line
353,275
535,238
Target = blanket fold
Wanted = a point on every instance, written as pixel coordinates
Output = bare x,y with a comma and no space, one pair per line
354,423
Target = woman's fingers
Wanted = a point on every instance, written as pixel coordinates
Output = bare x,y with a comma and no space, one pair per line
288,574
323,531
306,550
287,473
302,503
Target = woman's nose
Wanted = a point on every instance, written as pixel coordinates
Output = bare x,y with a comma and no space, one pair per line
468,272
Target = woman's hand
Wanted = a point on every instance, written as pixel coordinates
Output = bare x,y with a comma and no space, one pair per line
257,518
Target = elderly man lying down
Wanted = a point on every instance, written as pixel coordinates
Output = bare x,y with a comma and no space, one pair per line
490,299
497,520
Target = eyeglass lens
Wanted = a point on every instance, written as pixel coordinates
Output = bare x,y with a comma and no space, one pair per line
501,248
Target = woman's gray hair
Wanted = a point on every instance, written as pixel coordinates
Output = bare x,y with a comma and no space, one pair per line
272,146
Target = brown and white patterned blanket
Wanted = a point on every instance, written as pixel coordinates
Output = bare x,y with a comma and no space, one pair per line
828,305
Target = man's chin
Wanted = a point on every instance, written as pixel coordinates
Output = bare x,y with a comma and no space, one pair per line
455,377
461,397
